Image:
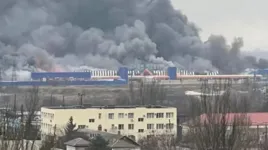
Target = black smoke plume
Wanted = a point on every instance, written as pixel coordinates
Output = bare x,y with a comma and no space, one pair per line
51,34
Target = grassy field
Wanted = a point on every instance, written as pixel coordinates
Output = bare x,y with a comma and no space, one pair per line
96,95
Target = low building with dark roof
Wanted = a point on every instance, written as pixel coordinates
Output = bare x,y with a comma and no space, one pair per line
78,143
116,141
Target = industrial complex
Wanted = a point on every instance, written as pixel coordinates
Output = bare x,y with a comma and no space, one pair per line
122,76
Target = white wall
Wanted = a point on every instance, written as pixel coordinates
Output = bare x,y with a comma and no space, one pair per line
126,149
59,117
74,148
79,148
70,148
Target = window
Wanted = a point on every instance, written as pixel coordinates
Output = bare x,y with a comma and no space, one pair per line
150,126
121,115
99,128
121,126
159,126
130,115
169,115
93,135
130,126
132,137
81,126
141,130
99,115
140,119
150,115
111,115
91,120
169,126
160,115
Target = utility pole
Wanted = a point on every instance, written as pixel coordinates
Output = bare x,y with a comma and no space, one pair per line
63,101
169,124
254,80
51,100
81,98
14,72
131,87
15,103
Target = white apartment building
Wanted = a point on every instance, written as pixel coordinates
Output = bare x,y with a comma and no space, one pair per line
133,121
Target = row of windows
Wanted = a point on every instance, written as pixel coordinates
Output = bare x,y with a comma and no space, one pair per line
93,120
149,115
48,127
149,126
45,125
160,126
122,115
49,115
82,126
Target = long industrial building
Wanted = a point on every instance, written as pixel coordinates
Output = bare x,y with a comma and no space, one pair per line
172,73
69,79
120,77
133,121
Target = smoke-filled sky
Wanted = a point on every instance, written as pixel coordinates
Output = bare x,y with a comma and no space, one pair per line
54,34
245,18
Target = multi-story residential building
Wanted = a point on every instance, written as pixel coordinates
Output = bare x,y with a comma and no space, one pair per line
133,121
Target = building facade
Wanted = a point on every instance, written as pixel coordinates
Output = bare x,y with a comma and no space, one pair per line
132,121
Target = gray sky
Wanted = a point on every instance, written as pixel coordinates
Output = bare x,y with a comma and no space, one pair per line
231,18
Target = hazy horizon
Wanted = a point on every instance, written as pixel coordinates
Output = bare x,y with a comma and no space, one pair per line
241,18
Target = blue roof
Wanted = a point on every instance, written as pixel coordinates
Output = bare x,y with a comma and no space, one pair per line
62,83
40,75
260,72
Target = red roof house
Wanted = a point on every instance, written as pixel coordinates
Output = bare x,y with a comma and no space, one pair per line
147,72
255,119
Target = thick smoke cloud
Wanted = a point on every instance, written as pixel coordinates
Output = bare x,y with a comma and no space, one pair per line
54,35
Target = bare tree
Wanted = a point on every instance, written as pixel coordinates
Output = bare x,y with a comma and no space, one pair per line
50,141
61,135
158,142
216,122
151,93
99,143
17,130
131,92
146,93
32,106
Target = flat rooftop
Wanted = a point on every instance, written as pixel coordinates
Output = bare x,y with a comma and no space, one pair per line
88,106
